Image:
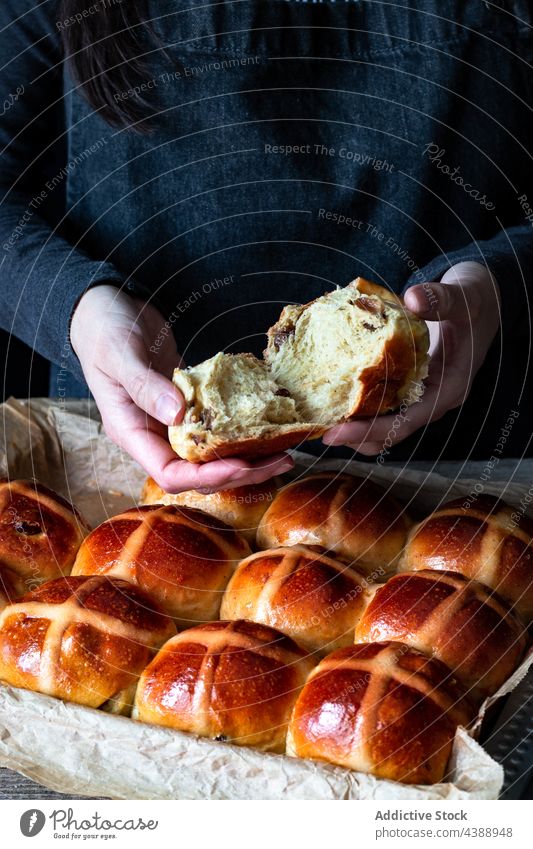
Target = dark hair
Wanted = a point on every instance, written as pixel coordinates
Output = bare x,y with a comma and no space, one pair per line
106,53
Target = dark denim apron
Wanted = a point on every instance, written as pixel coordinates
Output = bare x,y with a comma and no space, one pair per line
292,152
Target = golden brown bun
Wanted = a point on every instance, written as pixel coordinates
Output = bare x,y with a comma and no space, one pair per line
182,557
231,681
383,709
40,532
12,586
488,541
308,596
338,513
452,619
84,640
241,508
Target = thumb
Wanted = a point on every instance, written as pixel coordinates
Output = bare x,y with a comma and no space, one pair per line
151,391
439,301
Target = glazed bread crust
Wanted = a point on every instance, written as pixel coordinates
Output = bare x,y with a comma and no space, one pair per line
459,622
308,596
12,586
242,508
488,541
340,513
230,681
40,532
381,708
84,640
260,442
182,557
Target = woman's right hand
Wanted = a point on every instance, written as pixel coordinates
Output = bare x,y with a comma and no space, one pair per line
111,334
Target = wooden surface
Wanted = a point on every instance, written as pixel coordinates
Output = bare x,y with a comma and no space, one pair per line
15,786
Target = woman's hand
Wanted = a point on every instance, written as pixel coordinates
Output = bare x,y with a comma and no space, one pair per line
463,312
112,334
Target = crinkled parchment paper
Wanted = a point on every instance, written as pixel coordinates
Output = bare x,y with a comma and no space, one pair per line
76,750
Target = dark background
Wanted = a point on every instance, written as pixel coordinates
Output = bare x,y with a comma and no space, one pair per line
25,373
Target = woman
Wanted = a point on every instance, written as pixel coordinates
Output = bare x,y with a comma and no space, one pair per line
171,176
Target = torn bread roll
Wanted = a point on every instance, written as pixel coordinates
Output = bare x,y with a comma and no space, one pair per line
241,508
234,407
353,352
356,351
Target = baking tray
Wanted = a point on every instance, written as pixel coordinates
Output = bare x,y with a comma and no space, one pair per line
63,444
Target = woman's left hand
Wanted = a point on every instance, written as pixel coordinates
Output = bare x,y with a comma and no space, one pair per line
463,312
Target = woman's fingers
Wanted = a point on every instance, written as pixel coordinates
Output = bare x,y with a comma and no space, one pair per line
176,475
117,347
252,472
149,390
465,291
137,402
146,440
369,449
359,432
439,302
127,364
369,435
